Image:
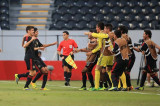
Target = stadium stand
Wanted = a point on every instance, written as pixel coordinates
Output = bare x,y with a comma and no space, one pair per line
136,14
4,14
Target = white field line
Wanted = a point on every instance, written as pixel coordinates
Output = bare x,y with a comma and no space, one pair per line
77,87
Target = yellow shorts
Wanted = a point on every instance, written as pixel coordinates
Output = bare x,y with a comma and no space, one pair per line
105,60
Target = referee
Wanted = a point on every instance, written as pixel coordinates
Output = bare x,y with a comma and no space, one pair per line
67,45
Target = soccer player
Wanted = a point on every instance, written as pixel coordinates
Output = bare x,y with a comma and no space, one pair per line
149,48
40,65
103,44
121,59
90,62
67,45
131,54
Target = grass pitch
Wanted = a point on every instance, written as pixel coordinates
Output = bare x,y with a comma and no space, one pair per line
12,94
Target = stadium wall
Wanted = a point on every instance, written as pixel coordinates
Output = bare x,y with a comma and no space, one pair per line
12,55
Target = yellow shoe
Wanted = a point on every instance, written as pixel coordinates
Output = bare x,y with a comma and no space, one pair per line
16,78
34,86
26,89
45,89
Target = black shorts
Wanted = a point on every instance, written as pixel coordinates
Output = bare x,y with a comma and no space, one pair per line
151,66
30,64
131,62
119,67
90,65
64,63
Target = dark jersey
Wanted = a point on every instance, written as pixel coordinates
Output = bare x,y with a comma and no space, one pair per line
29,50
37,43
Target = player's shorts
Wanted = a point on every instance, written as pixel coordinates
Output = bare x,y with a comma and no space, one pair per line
42,63
92,60
64,63
30,64
151,67
119,67
131,62
105,60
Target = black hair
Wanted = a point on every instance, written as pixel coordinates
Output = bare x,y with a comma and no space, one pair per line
109,26
93,30
117,33
123,29
101,25
35,29
148,32
29,28
66,32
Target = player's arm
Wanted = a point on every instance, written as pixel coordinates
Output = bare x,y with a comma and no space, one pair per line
98,47
39,48
0,50
51,44
27,44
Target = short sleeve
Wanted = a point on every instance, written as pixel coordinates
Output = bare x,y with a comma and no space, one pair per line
144,47
75,44
59,47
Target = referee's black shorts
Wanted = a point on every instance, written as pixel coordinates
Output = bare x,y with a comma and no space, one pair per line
64,63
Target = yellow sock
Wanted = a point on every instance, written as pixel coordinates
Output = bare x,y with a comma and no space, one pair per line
109,74
97,78
119,84
123,79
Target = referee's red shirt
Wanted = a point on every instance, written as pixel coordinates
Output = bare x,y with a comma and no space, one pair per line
67,46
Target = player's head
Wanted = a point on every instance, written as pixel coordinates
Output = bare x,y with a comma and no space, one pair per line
35,32
65,35
108,28
92,31
117,33
147,34
100,26
39,53
123,29
30,30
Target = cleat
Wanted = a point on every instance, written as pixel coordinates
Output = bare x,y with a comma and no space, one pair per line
26,89
130,88
16,78
45,89
34,86
82,88
101,88
139,88
66,84
119,89
93,89
90,89
113,89
124,89
148,84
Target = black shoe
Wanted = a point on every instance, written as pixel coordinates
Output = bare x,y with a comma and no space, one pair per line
66,83
124,89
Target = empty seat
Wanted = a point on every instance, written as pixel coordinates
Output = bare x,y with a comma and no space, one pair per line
132,3
115,24
5,25
116,10
133,25
4,3
122,3
79,3
58,3
144,25
99,17
88,17
109,17
83,10
156,10
94,10
146,10
73,10
126,10
92,25
119,17
56,17
153,24
136,10
100,3
70,25
150,17
4,17
68,3
139,17
90,3
66,17
153,3
81,25
62,10
125,23
4,10
105,10
143,3
59,25
77,17
129,17
112,3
